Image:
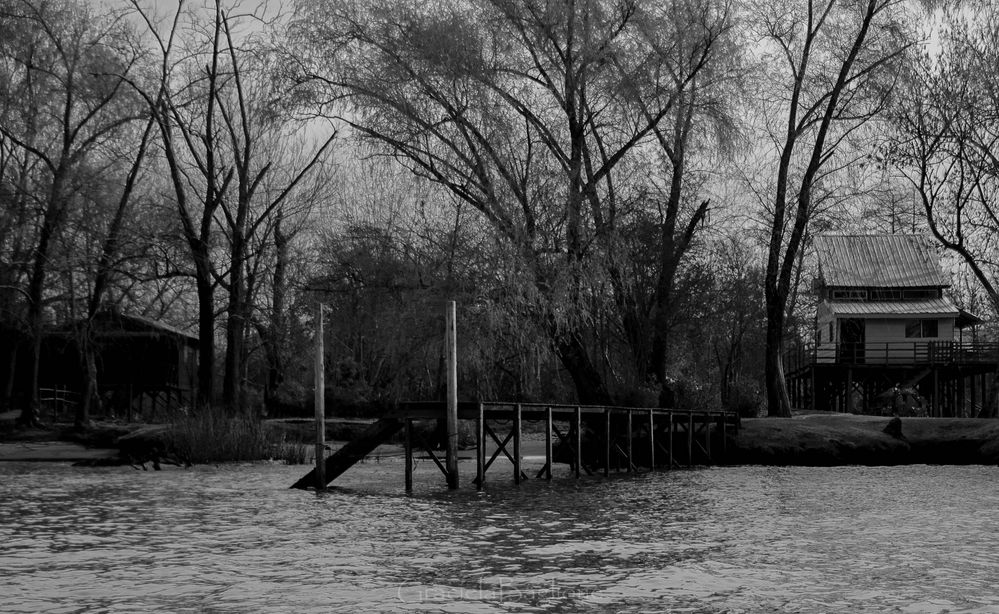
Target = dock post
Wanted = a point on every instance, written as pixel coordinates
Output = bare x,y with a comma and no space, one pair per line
630,464
579,439
607,442
707,436
724,436
409,455
516,444
451,349
480,448
548,442
670,430
652,440
320,400
690,439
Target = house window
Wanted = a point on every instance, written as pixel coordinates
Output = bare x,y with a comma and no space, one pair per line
849,295
915,329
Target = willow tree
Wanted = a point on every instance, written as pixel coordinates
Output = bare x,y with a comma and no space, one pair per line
947,142
831,67
526,110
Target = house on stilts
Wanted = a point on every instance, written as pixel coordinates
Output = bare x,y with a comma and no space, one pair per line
886,336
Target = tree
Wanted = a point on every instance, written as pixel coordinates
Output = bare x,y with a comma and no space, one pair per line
947,142
528,112
64,73
837,62
222,127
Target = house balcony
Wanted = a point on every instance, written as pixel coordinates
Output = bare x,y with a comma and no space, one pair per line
892,354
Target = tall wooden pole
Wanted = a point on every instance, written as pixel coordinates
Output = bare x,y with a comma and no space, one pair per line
320,403
451,345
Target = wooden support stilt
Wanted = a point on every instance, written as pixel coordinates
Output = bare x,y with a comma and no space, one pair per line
548,443
670,428
652,440
849,390
690,439
579,439
723,425
607,442
707,436
516,444
320,400
480,448
409,456
936,392
451,349
630,463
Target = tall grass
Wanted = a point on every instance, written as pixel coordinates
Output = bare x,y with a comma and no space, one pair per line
211,437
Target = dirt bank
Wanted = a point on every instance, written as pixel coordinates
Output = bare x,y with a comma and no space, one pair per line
844,439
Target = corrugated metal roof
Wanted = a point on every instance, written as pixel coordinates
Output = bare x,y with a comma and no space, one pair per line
928,307
878,261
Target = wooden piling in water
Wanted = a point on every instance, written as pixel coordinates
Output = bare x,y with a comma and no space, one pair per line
409,455
670,428
690,439
707,435
451,345
548,443
320,400
480,447
516,444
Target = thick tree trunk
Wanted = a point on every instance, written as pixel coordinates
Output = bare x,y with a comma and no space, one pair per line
778,403
590,388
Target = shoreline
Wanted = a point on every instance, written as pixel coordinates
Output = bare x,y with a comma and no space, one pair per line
812,439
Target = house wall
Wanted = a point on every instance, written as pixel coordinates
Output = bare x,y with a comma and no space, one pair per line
885,339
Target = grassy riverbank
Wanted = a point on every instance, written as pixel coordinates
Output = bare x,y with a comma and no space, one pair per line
845,439
824,439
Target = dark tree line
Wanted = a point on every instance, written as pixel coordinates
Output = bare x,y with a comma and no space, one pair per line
620,194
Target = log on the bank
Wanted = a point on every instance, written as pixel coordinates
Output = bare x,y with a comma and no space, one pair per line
344,458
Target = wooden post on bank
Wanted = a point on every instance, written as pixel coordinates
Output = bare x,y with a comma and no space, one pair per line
451,349
548,443
578,419
652,440
607,441
320,399
630,450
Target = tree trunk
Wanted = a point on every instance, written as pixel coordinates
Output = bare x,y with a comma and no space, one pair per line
590,388
778,403
206,336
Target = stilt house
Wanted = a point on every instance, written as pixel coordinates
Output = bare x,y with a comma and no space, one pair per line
883,324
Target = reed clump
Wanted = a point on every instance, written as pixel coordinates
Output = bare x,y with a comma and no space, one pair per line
213,437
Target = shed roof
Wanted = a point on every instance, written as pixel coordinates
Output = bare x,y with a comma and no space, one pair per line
939,307
878,261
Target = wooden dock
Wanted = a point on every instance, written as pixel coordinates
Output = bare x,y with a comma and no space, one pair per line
591,439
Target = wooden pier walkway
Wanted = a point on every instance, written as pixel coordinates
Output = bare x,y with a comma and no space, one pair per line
590,438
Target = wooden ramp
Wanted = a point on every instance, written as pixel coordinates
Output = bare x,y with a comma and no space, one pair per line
353,452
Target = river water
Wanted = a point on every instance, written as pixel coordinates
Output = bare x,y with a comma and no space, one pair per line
738,539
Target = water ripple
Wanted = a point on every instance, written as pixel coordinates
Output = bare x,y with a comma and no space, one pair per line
236,539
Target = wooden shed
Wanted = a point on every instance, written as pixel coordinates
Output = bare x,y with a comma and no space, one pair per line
143,365
884,322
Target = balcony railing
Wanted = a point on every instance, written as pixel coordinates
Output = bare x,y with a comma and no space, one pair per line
894,353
